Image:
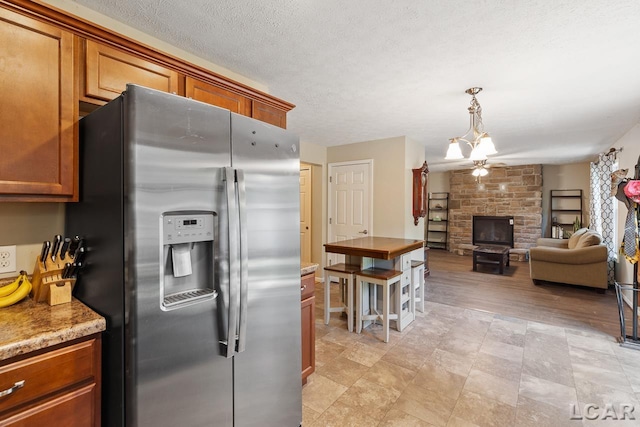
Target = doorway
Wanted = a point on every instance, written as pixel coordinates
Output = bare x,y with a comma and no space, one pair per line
305,211
350,203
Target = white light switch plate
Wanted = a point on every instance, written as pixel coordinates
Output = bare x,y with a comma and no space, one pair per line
7,259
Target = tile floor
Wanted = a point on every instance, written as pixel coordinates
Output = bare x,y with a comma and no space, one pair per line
462,367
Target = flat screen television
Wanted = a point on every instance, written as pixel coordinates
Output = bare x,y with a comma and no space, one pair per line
493,230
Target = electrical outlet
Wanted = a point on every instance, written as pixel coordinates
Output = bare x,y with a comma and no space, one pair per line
7,259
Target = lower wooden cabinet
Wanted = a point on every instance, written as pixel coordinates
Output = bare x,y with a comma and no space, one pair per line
55,387
307,307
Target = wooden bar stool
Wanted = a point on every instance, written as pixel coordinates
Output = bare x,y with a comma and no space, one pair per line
417,281
346,276
379,277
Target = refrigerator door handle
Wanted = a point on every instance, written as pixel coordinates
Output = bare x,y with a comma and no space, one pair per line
234,262
244,260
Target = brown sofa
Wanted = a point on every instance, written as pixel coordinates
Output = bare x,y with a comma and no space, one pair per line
579,260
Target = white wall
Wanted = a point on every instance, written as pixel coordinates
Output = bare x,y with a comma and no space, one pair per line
630,143
573,176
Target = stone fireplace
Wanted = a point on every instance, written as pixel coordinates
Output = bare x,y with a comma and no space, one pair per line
514,191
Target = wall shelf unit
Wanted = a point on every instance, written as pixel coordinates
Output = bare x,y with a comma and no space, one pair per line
437,229
564,207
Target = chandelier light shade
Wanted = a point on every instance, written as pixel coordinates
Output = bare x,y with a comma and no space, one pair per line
476,137
479,169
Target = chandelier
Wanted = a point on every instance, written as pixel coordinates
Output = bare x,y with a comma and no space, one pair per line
479,140
479,168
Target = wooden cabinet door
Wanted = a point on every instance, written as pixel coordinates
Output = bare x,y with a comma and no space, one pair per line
107,72
38,159
74,409
308,337
214,95
61,386
269,114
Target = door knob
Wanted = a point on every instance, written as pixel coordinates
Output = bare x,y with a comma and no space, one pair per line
363,232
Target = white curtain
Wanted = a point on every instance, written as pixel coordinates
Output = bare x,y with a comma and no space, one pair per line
602,206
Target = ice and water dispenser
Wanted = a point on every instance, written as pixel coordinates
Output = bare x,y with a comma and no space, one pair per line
186,267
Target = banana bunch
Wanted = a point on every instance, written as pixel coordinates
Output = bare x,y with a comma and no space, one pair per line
15,291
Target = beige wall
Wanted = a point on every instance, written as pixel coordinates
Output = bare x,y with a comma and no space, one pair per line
439,182
388,163
573,176
316,156
27,225
626,160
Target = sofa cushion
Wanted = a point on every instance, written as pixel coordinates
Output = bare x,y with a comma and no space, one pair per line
588,239
573,240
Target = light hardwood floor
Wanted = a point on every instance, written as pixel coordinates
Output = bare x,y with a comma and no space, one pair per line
489,350
453,282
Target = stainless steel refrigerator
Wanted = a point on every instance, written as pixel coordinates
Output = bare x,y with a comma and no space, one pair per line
190,216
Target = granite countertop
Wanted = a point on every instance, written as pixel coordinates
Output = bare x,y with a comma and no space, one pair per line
307,268
28,326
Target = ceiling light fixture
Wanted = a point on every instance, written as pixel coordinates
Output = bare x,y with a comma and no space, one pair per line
479,169
479,140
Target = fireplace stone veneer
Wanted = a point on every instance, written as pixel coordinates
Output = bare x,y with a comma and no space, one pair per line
510,191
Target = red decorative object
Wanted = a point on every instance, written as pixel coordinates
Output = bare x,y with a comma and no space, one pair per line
420,176
632,190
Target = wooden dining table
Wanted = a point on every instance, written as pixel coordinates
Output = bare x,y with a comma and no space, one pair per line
383,252
386,248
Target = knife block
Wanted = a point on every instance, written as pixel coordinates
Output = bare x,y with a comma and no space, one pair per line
48,284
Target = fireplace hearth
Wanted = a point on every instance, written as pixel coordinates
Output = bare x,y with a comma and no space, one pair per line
493,230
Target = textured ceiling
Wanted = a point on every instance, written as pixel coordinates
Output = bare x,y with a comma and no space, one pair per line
561,78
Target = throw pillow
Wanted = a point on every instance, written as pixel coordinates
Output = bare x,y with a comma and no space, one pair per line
588,239
573,240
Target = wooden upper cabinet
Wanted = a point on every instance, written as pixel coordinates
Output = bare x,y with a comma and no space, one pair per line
38,159
107,71
269,114
214,95
234,102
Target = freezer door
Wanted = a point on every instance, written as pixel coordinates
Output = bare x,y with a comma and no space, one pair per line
175,149
267,368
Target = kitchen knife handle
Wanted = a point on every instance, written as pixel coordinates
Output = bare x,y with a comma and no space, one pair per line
234,262
79,255
65,248
244,261
45,250
74,244
56,245
66,270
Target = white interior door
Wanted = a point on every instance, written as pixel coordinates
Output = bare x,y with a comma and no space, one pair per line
305,212
350,202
